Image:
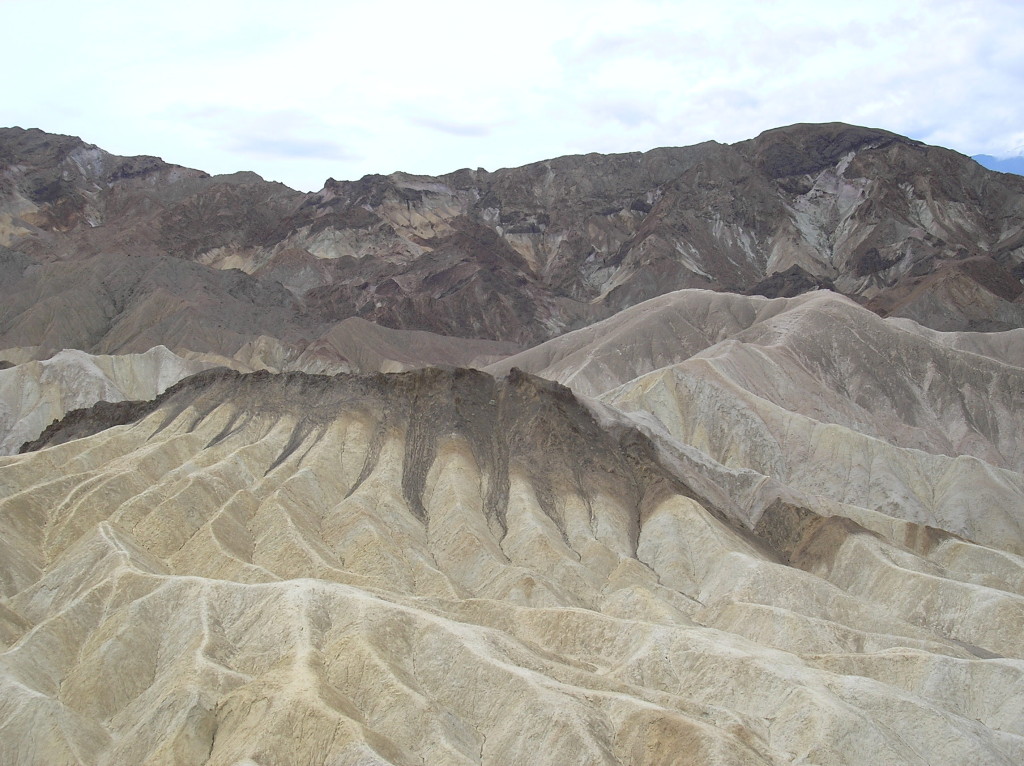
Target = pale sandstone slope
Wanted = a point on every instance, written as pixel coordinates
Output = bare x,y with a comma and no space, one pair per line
642,338
34,394
823,397
439,567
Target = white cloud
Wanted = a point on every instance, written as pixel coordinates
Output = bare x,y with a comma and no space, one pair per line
310,89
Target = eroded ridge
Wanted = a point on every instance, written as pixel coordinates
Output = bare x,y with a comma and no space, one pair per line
444,567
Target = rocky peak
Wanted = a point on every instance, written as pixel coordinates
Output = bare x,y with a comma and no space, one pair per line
808,148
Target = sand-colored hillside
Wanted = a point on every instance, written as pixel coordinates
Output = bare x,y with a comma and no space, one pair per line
34,394
440,567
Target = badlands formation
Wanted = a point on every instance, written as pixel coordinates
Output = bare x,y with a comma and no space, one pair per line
34,394
279,518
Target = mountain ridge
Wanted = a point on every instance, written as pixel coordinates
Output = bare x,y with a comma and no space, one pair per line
524,254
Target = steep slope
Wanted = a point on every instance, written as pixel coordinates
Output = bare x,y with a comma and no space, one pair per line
524,254
973,294
61,196
645,337
111,304
442,567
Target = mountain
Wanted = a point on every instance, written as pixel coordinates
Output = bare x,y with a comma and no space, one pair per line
112,304
822,395
704,455
524,254
1002,165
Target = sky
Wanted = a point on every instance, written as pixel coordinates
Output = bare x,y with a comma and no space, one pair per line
304,90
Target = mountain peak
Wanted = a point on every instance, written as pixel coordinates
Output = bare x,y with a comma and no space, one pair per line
809,147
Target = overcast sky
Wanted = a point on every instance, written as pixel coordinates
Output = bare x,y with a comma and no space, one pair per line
306,89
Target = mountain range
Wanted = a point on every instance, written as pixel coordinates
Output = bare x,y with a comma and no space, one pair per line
1002,164
701,455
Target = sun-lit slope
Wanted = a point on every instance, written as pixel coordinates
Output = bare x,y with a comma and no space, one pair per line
34,394
701,408
817,339
830,400
645,337
833,361
822,396
440,567
1006,347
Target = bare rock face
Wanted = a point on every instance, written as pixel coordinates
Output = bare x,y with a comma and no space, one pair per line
62,196
444,567
975,294
527,253
113,305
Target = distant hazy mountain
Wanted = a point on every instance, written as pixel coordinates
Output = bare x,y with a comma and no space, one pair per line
1006,165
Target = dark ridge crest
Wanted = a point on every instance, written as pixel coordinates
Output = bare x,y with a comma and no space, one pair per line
86,421
518,424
